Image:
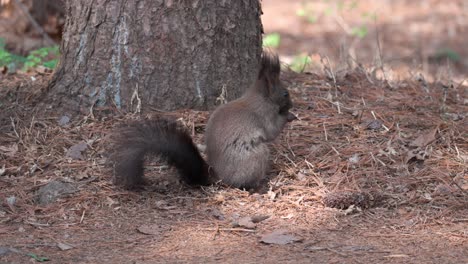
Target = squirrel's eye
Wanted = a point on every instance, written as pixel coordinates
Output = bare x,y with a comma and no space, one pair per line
286,93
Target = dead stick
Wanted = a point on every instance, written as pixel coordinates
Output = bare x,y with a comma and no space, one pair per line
229,229
34,22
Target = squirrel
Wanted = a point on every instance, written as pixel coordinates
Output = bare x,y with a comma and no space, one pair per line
236,138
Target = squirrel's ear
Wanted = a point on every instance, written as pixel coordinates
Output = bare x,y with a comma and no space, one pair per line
269,66
269,72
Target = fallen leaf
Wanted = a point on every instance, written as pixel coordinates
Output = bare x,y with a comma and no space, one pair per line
289,216
271,195
9,151
219,198
397,256
37,258
43,70
216,214
75,151
424,139
301,176
111,202
4,251
279,237
64,246
352,209
442,189
417,154
81,176
316,248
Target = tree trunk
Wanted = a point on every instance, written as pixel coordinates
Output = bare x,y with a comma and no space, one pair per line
169,53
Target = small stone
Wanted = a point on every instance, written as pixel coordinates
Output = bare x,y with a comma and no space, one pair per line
259,218
4,251
50,192
246,222
375,124
354,159
64,246
75,151
11,200
63,121
279,237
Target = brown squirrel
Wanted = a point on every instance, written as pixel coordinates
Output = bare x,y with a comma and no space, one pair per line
236,137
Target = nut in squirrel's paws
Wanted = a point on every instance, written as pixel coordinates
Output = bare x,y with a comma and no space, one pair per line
291,117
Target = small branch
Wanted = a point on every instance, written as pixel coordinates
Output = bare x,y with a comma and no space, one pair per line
34,22
325,131
82,216
222,97
381,66
136,97
229,229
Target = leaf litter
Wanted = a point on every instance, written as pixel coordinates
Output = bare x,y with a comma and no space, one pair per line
330,175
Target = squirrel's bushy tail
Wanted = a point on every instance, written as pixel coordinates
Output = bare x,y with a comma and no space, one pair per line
161,137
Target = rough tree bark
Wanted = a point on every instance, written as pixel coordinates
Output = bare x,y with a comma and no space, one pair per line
171,53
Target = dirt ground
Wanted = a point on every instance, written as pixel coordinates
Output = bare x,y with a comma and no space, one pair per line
413,36
373,170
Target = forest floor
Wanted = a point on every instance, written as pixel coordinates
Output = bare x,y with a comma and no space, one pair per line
373,171
369,173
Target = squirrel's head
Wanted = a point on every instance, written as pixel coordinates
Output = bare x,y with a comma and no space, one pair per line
269,83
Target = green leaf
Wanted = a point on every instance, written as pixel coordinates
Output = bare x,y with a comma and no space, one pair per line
447,53
312,19
51,64
37,258
18,59
5,57
353,5
42,52
272,40
35,58
340,5
367,15
301,12
55,50
300,62
359,32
